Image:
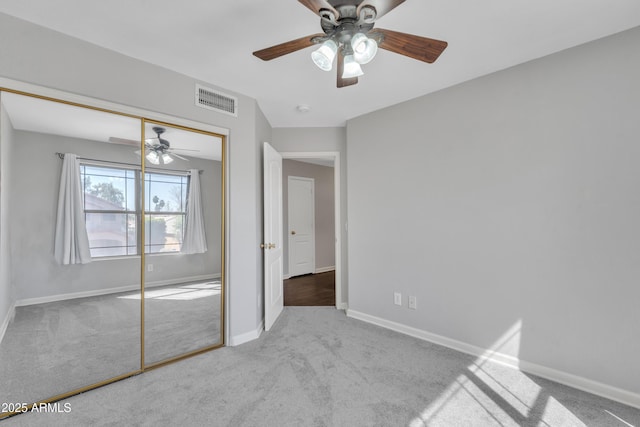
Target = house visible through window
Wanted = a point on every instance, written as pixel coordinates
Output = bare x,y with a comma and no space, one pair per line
112,207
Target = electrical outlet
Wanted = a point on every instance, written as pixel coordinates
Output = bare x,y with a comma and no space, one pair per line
397,298
149,267
413,303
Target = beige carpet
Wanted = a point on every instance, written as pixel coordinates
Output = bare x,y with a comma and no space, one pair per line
317,367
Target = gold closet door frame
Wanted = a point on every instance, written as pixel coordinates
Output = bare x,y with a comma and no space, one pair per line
143,120
221,342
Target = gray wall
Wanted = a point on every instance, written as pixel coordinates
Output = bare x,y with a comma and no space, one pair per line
36,177
40,56
322,140
7,295
324,210
510,198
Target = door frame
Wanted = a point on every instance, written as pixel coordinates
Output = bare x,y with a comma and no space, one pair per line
335,157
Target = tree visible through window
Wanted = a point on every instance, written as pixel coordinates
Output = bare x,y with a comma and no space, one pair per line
112,208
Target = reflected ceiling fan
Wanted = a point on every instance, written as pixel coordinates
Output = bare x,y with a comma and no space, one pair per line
158,150
349,35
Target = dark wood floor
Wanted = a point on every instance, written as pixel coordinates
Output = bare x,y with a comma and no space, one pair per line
310,289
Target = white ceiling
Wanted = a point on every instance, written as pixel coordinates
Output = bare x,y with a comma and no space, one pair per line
213,41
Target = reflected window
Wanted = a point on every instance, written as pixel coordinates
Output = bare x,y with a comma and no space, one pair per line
112,210
165,206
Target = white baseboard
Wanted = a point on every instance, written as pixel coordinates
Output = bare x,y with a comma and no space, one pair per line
7,320
107,291
247,336
575,381
343,306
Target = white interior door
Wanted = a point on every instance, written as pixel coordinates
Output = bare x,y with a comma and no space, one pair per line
272,246
301,214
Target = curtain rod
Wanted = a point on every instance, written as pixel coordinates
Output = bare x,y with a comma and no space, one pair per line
61,157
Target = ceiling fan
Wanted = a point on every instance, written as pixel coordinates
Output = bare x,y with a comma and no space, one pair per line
349,35
158,150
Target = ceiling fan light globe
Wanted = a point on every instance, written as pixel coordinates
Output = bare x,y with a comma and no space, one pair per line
364,48
166,158
351,68
324,55
153,158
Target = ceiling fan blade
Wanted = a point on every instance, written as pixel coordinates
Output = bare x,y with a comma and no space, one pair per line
382,7
342,82
180,149
285,48
317,5
416,47
123,141
179,156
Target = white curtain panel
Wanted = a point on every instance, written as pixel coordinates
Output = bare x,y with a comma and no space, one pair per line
71,240
195,241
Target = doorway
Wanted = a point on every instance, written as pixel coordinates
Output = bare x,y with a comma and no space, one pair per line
324,272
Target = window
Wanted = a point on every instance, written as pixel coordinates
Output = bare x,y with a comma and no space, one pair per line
112,209
165,209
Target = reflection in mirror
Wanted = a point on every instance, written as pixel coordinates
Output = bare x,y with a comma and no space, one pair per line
66,321
183,241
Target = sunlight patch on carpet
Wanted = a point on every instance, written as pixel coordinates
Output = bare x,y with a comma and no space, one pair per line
505,397
180,293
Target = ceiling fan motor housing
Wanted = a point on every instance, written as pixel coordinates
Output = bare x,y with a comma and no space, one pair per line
163,144
347,25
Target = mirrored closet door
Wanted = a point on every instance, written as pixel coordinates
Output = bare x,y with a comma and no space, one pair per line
183,184
111,246
68,248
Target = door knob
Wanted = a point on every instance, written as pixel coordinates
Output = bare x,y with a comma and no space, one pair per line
293,232
267,246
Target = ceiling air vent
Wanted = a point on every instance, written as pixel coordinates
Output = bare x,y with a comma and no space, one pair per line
218,101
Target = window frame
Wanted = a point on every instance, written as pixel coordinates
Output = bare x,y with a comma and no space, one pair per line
140,212
150,213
